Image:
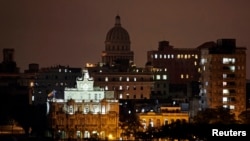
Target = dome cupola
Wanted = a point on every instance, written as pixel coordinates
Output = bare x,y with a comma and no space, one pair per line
117,33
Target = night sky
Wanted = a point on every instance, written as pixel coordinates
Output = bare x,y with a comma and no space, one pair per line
72,32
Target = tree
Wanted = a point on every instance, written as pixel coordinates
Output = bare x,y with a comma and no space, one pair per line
217,115
244,117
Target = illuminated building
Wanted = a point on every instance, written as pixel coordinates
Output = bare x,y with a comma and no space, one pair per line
181,63
126,85
167,115
174,69
85,112
223,75
53,78
117,71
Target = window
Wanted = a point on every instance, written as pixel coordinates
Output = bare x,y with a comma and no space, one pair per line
134,87
141,96
120,96
134,78
127,95
127,78
70,110
106,87
158,77
156,56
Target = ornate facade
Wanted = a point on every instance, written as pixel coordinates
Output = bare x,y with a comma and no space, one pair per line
117,45
86,112
167,115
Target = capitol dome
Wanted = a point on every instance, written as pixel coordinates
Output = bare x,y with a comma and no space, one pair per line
117,33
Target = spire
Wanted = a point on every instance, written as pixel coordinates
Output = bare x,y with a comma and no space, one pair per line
117,21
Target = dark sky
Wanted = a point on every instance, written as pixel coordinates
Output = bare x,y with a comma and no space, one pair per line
72,32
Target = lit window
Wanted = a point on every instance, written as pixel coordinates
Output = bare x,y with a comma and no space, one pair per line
206,83
225,91
134,78
31,84
187,76
106,79
224,99
224,83
120,78
181,76
195,63
164,77
178,56
185,56
196,56
127,78
228,60
232,68
106,87
231,107
168,56
165,56
156,56
151,123
120,87
158,77
160,56
127,87
172,56
224,75
203,61
120,96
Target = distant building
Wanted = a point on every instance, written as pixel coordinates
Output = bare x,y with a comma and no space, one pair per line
86,112
135,84
53,79
181,64
223,76
8,64
175,70
117,71
117,46
167,115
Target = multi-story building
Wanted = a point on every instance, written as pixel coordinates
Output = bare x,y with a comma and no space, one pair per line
175,70
223,75
86,112
117,71
135,84
8,64
182,64
53,78
166,115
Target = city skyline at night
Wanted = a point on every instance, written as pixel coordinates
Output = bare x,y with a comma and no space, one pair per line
73,33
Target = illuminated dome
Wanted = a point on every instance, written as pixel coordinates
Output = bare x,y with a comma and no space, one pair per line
117,33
